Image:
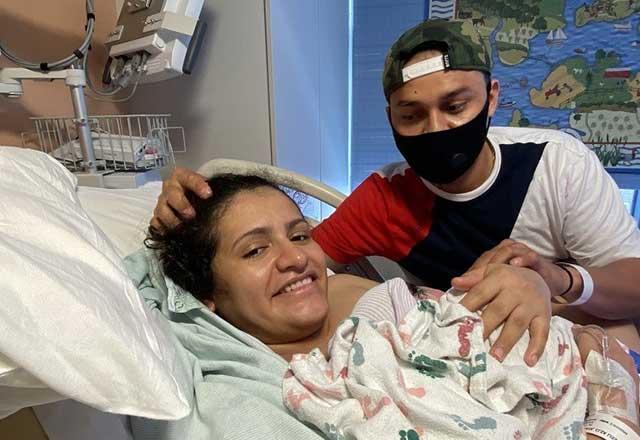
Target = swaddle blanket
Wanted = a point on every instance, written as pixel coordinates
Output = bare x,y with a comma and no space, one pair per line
432,377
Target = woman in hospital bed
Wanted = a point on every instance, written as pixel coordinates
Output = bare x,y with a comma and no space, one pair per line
410,362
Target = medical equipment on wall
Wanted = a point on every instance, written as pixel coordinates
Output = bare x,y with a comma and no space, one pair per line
166,32
154,40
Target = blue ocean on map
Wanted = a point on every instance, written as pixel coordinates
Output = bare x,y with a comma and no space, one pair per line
584,40
621,36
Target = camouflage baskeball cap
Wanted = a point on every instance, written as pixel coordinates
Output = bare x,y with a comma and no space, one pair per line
465,50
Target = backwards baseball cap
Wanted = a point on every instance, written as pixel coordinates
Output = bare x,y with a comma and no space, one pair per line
463,48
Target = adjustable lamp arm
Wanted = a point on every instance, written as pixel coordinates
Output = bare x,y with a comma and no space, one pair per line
11,85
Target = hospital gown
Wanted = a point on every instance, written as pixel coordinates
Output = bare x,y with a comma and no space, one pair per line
236,378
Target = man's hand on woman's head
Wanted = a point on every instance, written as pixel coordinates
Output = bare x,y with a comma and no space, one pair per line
515,296
519,254
173,205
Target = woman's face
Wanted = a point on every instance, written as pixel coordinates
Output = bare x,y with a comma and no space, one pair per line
271,276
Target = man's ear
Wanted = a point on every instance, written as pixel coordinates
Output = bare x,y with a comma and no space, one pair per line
494,96
210,305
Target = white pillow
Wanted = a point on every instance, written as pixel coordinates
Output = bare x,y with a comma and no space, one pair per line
72,325
122,214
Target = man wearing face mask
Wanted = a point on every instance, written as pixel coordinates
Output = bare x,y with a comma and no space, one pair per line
470,198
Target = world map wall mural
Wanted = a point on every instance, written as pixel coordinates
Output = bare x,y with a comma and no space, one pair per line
564,64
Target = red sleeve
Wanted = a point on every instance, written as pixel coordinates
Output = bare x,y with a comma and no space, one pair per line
378,218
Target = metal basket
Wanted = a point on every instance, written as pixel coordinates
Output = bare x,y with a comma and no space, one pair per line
120,142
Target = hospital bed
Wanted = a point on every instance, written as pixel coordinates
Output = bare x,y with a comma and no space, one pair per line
123,215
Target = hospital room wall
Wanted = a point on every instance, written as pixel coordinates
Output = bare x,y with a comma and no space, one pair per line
271,85
310,71
47,30
224,105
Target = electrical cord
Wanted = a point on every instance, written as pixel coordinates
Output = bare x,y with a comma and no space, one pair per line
125,99
66,62
104,96
93,88
81,56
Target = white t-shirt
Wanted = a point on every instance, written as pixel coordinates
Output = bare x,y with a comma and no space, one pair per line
546,189
572,209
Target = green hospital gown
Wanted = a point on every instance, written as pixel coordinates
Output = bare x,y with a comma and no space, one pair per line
237,379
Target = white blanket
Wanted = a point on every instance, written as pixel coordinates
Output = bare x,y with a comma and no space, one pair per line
432,377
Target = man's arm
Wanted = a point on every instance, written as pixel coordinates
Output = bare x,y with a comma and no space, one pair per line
603,238
598,233
359,227
518,254
616,293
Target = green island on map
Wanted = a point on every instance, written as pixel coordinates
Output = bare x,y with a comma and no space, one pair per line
603,97
519,22
606,10
600,91
575,84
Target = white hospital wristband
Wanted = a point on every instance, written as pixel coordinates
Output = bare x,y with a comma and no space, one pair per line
609,428
587,285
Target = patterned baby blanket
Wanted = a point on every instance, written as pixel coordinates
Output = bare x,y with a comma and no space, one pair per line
431,377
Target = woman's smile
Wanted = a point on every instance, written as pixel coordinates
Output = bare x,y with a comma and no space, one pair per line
299,285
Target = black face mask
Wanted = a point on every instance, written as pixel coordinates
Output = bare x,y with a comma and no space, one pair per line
443,156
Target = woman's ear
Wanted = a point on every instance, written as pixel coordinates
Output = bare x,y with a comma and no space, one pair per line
210,305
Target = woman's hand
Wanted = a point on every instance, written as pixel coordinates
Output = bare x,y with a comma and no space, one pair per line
589,339
173,205
515,296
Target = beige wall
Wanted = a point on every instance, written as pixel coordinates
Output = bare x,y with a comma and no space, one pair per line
46,30
224,105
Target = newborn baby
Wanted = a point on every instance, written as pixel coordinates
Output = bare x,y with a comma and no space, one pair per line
423,371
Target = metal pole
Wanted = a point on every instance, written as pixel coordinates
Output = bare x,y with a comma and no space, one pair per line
76,80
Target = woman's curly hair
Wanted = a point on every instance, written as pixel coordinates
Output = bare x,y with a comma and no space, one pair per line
187,251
